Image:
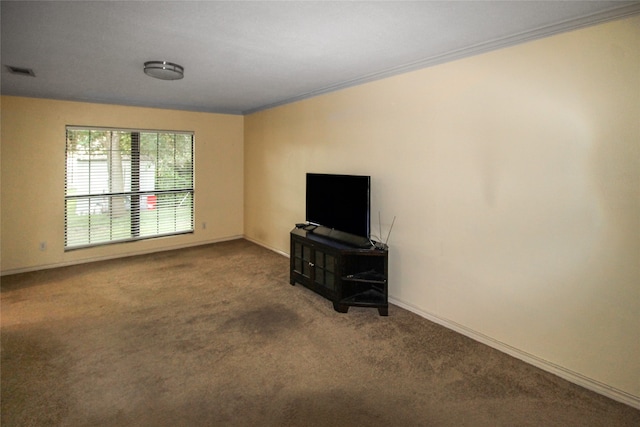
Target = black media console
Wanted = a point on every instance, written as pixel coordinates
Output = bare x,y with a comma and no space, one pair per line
347,275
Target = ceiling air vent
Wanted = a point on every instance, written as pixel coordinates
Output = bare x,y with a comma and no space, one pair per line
21,71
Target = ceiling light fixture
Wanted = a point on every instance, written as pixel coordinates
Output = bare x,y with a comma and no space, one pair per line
163,70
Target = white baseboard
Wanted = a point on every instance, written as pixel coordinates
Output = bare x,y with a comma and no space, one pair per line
564,373
116,256
264,245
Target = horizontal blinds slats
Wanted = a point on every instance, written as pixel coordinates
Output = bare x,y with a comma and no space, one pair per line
119,190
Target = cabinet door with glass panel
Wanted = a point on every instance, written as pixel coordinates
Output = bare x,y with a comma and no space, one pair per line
301,259
324,270
314,266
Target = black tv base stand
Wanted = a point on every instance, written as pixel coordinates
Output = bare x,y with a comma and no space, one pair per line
345,274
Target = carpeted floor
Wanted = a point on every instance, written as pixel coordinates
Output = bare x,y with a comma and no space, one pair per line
216,336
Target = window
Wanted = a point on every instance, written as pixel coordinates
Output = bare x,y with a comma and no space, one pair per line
125,185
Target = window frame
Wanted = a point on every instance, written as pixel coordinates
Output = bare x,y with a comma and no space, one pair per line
134,195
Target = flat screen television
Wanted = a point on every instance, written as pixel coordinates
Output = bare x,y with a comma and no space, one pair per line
339,202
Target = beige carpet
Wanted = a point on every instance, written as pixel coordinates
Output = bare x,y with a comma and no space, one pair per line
216,336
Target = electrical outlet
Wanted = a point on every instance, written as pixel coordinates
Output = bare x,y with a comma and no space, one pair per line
43,246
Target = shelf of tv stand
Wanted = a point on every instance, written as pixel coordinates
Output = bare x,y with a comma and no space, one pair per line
345,274
370,276
368,297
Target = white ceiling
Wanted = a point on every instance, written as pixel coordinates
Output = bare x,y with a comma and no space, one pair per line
244,56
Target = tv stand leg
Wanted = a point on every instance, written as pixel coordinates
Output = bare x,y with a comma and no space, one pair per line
383,311
340,308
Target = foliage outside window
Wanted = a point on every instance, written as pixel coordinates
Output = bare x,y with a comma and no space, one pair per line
125,185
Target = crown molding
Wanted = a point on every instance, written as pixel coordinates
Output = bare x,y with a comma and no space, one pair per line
535,34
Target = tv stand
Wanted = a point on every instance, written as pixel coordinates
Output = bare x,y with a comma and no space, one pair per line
345,274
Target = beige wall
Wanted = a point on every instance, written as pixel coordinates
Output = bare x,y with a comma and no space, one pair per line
515,179
33,174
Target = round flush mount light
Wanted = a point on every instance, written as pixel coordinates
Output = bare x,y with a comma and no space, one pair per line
163,70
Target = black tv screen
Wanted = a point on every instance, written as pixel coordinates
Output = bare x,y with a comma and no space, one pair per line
339,202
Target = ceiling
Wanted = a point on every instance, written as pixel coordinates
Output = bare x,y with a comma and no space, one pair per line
244,56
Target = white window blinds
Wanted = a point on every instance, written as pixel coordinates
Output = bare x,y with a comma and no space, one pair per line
124,185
